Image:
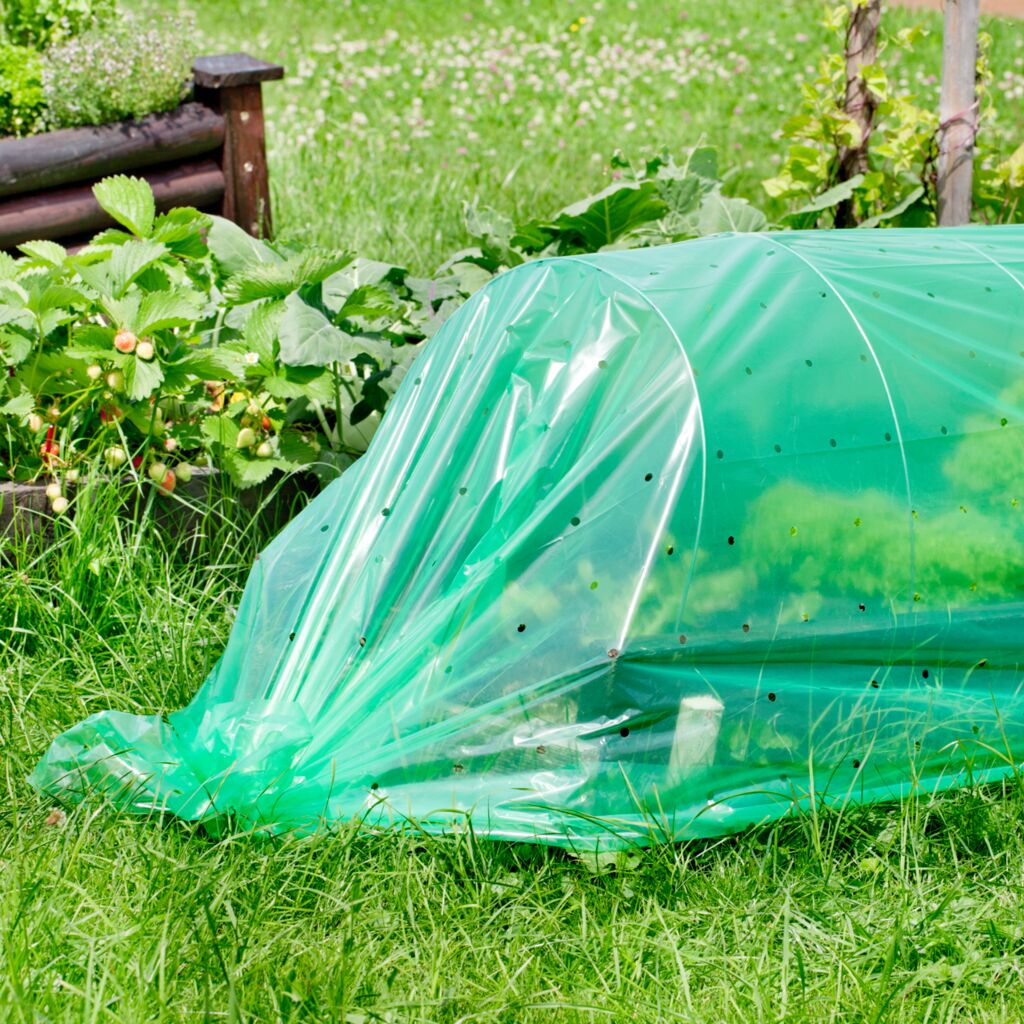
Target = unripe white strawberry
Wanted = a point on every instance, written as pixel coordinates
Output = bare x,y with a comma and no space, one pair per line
54,490
71,476
59,505
183,472
246,438
53,412
264,450
157,471
115,456
115,380
35,423
144,350
125,341
94,372
253,409
170,444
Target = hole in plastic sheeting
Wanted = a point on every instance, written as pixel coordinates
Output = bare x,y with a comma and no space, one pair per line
719,454
832,442
772,697
749,371
862,607
457,768
763,305
542,749
602,364
917,597
1003,421
325,528
731,541
793,531
417,381
448,671
682,638
374,785
824,295
975,730
521,628
770,252
593,586
876,295
362,641
463,490
917,744
624,731
972,355
778,449
746,627
931,295
863,357
291,637
613,652
924,673
888,436
575,521
385,512
874,684
809,362
943,430
648,477
670,550
856,763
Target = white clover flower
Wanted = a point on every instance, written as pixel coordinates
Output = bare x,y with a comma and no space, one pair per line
251,358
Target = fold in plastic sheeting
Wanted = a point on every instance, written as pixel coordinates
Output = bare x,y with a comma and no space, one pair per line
650,545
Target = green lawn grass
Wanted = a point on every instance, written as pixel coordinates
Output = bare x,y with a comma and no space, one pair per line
908,913
392,114
887,914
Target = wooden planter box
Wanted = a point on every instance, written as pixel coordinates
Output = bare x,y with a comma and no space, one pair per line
209,153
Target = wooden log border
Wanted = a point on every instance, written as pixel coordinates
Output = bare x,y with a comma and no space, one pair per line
210,153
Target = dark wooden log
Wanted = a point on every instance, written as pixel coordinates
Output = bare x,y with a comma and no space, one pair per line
73,210
227,70
85,154
231,85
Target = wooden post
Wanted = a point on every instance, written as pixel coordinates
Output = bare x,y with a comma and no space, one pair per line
958,111
861,49
230,84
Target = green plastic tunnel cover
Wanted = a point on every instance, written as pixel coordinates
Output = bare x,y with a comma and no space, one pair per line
650,545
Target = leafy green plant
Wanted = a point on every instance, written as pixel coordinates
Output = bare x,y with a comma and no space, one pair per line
653,203
899,187
127,68
41,23
178,336
22,104
895,189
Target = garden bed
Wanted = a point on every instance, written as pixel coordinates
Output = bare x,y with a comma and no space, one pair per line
25,513
209,153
